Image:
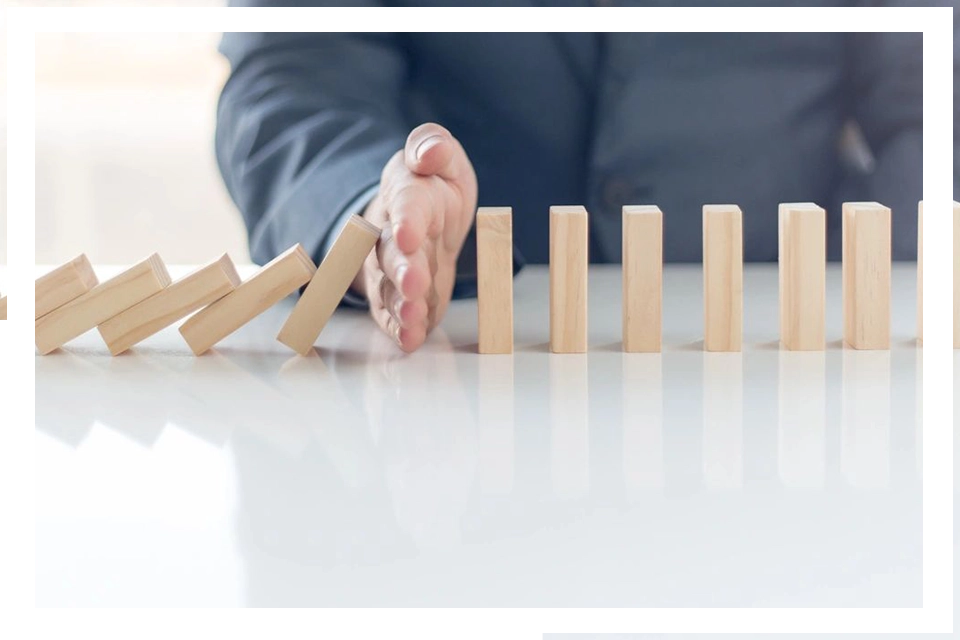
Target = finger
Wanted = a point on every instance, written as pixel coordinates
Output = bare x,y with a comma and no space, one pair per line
415,211
432,150
410,273
407,313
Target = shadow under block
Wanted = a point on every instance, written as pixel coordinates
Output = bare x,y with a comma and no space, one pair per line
329,284
920,272
642,278
866,275
495,279
722,277
205,285
956,275
101,303
568,279
3,308
803,272
272,283
65,283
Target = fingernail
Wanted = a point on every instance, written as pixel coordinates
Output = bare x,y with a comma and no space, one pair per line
401,271
397,307
396,335
427,144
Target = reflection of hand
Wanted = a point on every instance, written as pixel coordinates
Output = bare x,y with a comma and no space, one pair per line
425,206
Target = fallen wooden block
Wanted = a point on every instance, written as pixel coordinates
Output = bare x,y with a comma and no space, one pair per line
63,284
272,283
495,279
722,277
100,303
3,308
866,275
803,272
642,278
328,285
205,285
568,279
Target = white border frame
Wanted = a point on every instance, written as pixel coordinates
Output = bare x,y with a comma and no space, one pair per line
16,468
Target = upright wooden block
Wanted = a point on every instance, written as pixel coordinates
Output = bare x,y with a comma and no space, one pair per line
722,277
920,272
63,284
568,279
3,308
866,275
328,285
198,289
956,275
101,303
275,281
642,278
495,279
803,267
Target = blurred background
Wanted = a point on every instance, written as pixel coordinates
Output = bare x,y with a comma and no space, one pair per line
125,161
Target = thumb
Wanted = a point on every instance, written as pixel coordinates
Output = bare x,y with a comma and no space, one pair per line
432,150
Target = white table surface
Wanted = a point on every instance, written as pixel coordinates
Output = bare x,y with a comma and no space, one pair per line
362,476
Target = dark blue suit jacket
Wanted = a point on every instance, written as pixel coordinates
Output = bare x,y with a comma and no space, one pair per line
306,122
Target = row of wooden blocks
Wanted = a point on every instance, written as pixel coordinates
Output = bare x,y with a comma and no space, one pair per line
866,267
142,300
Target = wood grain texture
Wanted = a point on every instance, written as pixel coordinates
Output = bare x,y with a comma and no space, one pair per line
272,283
866,275
803,272
956,275
194,291
642,278
568,279
722,277
920,272
100,303
3,308
65,283
495,279
328,285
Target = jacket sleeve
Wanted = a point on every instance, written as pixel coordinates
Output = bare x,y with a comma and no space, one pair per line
886,95
305,124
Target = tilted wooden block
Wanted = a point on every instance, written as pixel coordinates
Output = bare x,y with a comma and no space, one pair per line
272,283
568,279
956,275
3,308
920,272
205,285
803,272
328,285
866,275
642,278
495,279
101,303
63,284
722,277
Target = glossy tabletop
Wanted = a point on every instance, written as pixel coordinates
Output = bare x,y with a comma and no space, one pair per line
363,476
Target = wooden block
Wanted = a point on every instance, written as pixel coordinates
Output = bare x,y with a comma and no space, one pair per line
866,275
329,284
568,279
495,279
101,303
803,272
722,277
920,272
642,278
3,308
956,275
63,284
205,285
272,283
